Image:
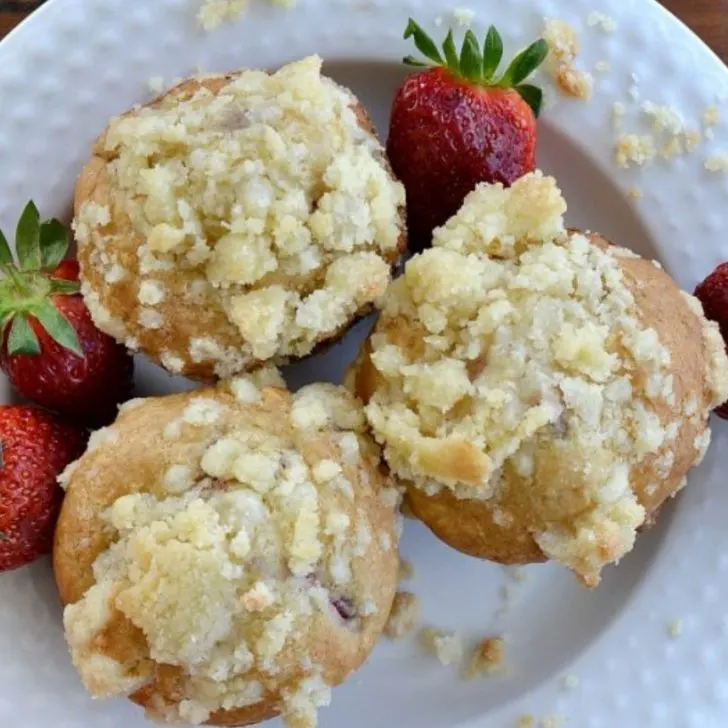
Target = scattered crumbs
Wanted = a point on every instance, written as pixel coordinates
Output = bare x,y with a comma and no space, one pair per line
634,92
574,83
675,628
718,163
618,112
709,134
526,721
634,193
563,46
553,721
488,658
464,17
406,570
692,139
156,84
711,116
562,41
604,22
673,147
214,13
404,615
602,66
663,118
634,150
446,646
439,21
570,682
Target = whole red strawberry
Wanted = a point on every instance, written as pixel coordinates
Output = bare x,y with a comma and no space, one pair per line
51,350
457,123
713,294
35,447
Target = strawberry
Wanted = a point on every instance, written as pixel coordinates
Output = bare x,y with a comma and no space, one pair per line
67,270
458,123
51,350
35,447
713,294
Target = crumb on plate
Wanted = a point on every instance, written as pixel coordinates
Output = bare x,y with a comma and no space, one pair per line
574,82
446,646
635,150
488,658
634,193
717,163
563,45
214,13
602,21
711,116
404,615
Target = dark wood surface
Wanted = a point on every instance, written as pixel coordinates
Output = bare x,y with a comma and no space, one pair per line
709,18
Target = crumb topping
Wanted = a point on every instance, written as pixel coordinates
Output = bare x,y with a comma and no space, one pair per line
224,567
269,196
512,352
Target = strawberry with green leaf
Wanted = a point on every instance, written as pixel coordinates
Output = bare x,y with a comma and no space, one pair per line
458,122
51,351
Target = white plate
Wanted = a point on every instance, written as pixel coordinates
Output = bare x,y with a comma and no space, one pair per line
77,62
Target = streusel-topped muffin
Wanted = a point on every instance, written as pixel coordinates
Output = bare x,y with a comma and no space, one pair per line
228,554
238,219
540,391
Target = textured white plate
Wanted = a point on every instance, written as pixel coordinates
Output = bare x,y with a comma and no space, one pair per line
77,62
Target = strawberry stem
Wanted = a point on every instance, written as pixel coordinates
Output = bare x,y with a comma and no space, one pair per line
28,288
16,279
481,66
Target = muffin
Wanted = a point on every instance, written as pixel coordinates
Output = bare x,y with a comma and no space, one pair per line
540,392
229,554
238,219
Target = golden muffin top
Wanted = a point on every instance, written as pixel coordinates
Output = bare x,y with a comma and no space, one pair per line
256,560
515,348
266,196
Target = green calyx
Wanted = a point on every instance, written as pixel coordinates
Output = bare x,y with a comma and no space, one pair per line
27,286
480,66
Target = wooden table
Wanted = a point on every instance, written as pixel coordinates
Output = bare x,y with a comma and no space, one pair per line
709,18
